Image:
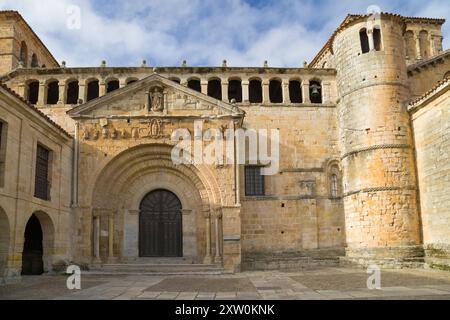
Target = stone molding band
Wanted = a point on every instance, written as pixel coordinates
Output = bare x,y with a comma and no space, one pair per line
378,189
376,147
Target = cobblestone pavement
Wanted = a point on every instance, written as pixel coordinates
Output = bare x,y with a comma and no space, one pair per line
317,284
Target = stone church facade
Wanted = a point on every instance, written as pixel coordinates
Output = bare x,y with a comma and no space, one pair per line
87,174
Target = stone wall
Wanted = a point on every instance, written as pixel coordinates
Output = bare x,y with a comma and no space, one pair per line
297,213
431,123
22,129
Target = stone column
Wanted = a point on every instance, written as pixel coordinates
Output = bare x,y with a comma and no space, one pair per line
21,91
286,97
208,258
122,83
204,86
217,220
61,93
419,52
305,92
102,89
82,92
245,92
111,237
42,93
326,92
96,239
370,37
224,91
265,91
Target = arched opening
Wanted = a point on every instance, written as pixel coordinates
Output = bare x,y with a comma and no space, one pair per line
235,90
131,80
424,44
33,91
364,39
72,92
4,242
177,80
377,39
32,255
215,89
92,90
315,91
34,61
334,181
112,85
410,44
24,54
255,91
53,92
275,91
160,225
194,84
295,91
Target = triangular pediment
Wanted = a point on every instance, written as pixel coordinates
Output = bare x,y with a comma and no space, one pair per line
152,96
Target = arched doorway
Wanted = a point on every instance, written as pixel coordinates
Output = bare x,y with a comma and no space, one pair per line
32,255
160,225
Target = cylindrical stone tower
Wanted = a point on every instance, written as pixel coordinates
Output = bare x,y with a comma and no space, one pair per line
380,200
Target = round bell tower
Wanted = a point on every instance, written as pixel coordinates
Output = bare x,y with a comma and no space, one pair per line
380,189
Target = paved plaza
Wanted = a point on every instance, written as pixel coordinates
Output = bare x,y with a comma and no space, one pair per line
315,284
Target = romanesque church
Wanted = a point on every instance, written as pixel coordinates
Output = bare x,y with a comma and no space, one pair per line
87,175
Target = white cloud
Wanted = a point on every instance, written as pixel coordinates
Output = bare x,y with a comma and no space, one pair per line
284,32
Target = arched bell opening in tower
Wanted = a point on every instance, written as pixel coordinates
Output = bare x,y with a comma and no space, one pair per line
315,92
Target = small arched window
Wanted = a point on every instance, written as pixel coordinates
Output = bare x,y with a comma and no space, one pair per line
33,91
235,90
92,90
334,181
255,91
315,91
364,39
377,39
275,91
215,89
34,61
112,85
295,91
194,84
334,185
24,54
72,92
53,92
177,80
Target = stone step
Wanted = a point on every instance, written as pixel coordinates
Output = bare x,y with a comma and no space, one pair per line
288,263
156,269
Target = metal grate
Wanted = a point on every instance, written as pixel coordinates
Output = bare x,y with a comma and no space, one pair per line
254,181
41,186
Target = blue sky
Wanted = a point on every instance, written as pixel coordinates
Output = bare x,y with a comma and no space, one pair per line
204,32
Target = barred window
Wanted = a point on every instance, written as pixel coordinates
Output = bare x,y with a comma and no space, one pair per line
334,186
254,181
41,184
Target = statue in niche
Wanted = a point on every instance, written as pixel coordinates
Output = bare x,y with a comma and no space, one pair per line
156,99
